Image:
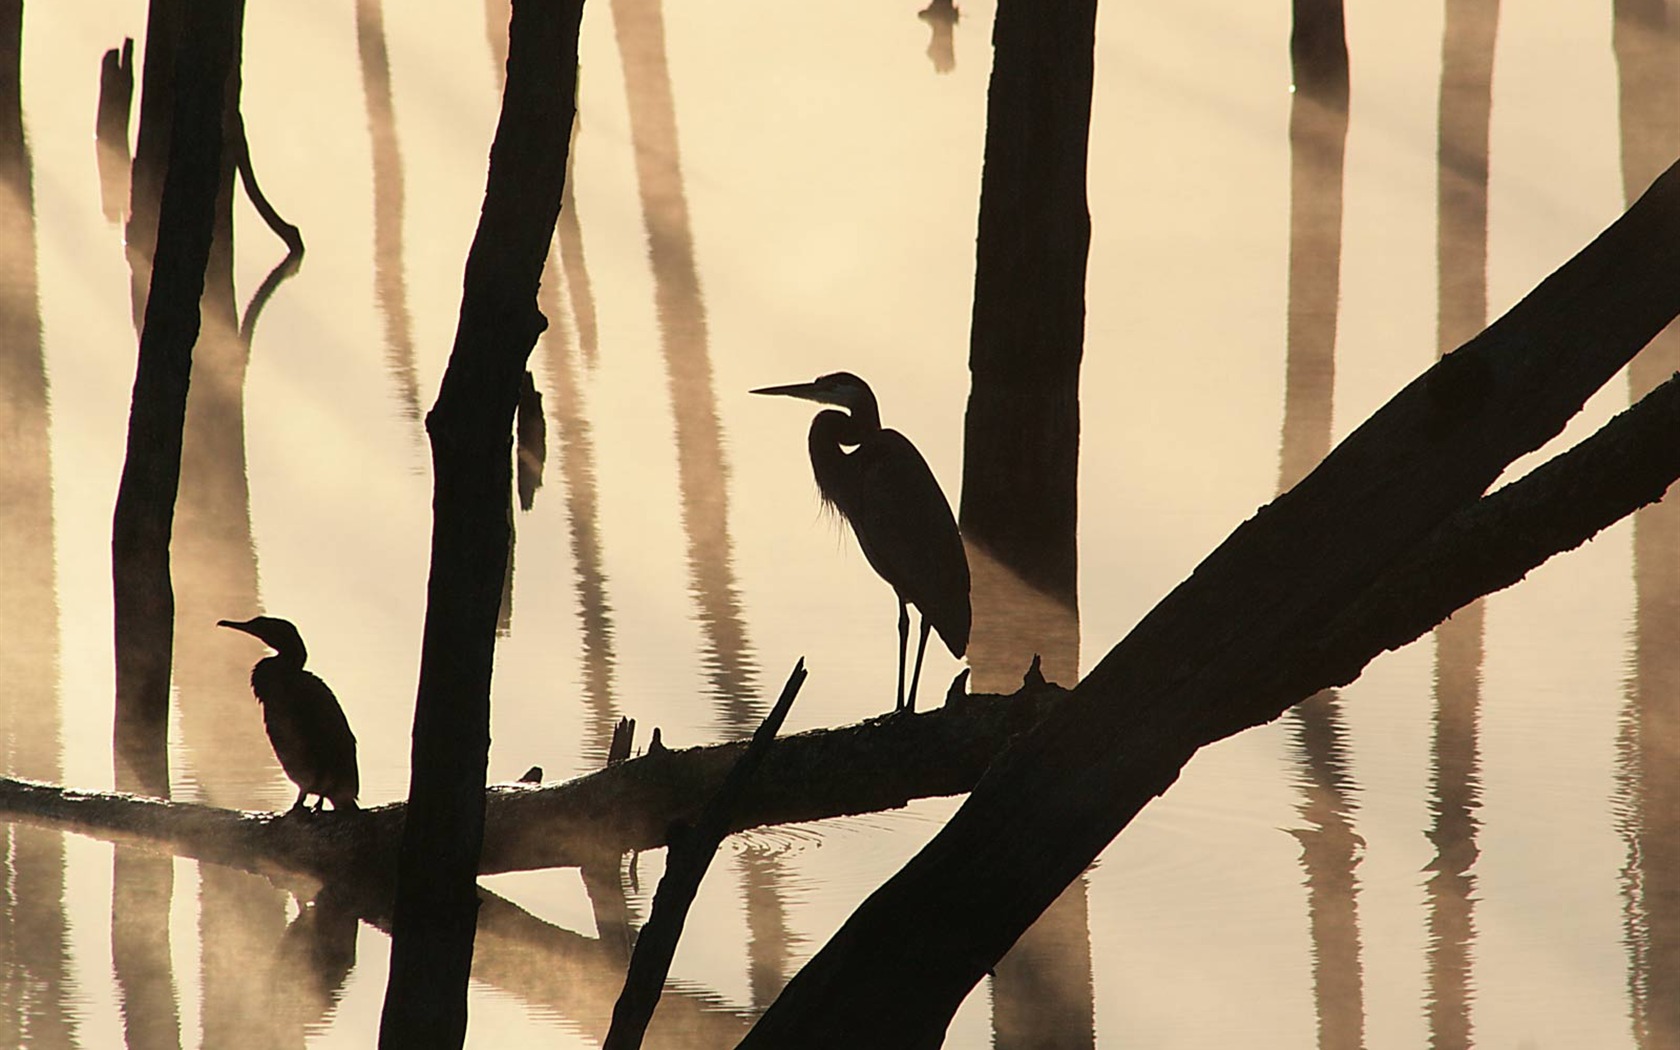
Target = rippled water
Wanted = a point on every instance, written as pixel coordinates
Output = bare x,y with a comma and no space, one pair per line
1468,846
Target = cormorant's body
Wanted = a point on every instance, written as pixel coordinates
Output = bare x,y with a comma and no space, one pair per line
305,723
883,487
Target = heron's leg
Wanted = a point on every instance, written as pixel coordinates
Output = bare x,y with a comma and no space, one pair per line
299,803
916,676
903,646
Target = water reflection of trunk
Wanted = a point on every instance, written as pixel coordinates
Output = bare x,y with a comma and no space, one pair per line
579,978
941,17
390,288
1647,51
1020,501
1455,781
702,474
1318,120
1455,795
577,472
34,936
308,966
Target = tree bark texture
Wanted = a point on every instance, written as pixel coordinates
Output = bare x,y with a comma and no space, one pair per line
143,521
471,432
1233,646
1021,445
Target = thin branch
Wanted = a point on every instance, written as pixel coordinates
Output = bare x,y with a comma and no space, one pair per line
691,853
248,177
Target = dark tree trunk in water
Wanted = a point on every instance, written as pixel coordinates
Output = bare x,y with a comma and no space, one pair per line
471,431
142,524
1235,644
1020,505
1028,330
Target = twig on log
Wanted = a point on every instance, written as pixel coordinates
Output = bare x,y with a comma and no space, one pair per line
686,862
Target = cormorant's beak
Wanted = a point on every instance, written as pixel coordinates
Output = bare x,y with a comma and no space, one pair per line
808,391
238,625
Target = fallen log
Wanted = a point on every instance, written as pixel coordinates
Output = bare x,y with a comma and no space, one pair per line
879,764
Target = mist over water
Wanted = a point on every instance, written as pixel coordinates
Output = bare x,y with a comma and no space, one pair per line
1469,846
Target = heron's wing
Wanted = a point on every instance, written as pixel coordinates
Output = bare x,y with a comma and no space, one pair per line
907,532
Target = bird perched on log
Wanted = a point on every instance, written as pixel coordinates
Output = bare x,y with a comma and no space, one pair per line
310,734
884,489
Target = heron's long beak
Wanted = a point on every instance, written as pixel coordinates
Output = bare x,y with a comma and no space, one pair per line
808,391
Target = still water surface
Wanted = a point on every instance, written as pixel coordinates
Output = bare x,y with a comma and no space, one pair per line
1466,847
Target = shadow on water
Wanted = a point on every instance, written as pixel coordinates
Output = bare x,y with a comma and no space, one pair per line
1330,847
35,982
390,286
1455,776
1647,48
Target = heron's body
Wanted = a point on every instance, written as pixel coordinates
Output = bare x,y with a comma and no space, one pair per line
884,489
305,724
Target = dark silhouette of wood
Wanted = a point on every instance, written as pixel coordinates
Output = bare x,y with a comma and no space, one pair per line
289,235
531,444
471,433
144,601
1021,435
116,99
690,854
631,805
1021,442
1240,641
164,19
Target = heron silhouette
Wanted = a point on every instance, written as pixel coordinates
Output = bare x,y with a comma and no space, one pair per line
305,724
884,489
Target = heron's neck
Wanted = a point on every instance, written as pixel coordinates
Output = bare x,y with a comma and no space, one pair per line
832,429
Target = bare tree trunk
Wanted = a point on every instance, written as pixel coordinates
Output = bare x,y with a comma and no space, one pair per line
143,522
1021,445
471,431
